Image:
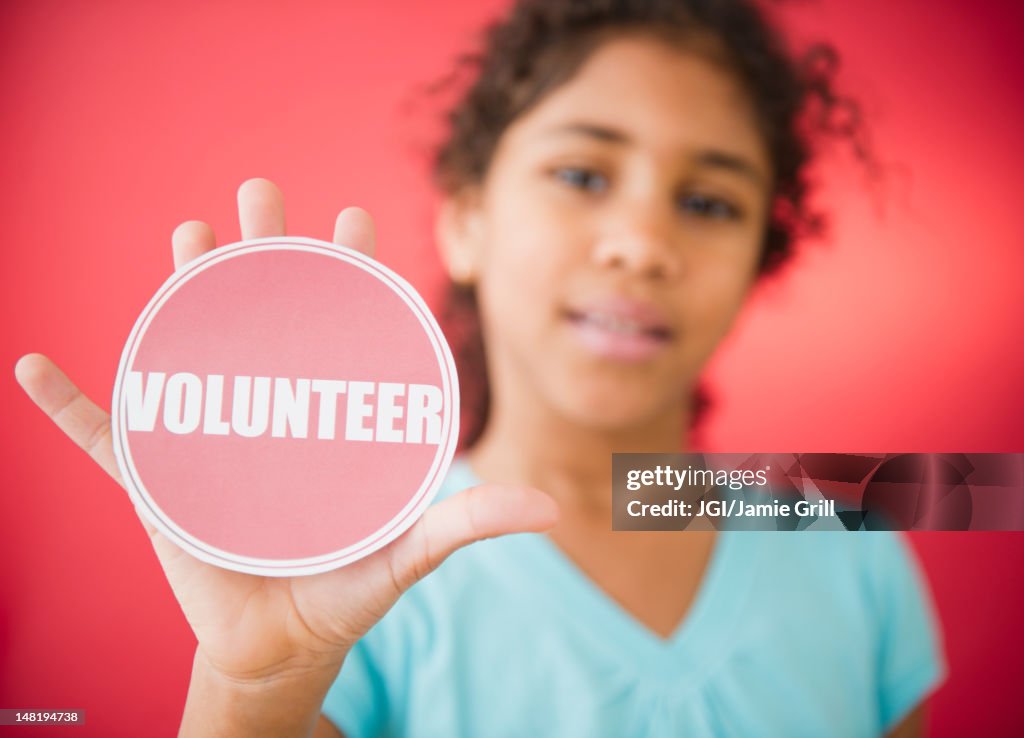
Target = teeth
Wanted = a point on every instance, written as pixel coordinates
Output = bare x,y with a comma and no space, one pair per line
613,324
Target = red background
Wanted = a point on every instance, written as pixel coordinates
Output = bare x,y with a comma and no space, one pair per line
120,120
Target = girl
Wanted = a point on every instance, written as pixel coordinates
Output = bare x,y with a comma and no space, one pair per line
616,179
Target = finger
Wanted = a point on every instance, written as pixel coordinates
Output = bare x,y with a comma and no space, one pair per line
355,228
191,239
260,209
473,515
74,413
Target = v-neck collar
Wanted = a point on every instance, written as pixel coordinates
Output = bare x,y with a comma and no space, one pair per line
703,636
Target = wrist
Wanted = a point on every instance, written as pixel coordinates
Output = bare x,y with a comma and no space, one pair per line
271,678
283,703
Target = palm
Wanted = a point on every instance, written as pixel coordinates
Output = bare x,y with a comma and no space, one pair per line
249,625
252,627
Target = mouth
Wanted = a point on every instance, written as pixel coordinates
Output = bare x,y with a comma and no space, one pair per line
620,329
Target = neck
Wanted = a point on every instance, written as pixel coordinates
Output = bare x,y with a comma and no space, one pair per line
530,444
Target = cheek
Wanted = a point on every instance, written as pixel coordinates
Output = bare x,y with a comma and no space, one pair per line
515,283
527,254
715,297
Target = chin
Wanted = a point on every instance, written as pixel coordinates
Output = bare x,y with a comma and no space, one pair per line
617,408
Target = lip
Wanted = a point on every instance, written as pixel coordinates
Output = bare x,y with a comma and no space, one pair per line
620,328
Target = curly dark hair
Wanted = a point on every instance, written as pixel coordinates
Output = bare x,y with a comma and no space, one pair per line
540,44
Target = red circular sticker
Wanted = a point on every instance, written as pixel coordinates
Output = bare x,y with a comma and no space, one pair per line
284,406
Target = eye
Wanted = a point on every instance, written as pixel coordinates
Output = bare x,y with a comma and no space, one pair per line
706,206
582,179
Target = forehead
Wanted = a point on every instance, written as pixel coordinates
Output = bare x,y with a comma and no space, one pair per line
665,98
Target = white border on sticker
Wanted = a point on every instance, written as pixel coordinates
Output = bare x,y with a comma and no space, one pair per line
401,521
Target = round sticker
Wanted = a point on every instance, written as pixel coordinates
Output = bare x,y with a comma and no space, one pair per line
284,406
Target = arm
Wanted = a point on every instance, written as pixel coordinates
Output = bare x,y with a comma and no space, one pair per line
325,729
912,726
278,707
270,647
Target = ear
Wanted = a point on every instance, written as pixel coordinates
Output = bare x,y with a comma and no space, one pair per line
459,234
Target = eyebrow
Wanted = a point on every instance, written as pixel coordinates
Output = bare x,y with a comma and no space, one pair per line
712,158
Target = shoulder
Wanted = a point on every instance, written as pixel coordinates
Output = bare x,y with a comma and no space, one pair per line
877,570
869,586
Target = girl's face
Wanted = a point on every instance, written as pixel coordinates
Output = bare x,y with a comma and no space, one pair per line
616,235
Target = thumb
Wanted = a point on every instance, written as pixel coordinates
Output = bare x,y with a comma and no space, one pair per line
474,514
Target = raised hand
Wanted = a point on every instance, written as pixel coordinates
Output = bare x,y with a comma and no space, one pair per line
252,629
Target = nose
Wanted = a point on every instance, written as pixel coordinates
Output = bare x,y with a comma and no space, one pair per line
640,239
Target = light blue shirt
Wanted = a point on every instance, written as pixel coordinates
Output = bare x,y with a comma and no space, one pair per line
790,634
